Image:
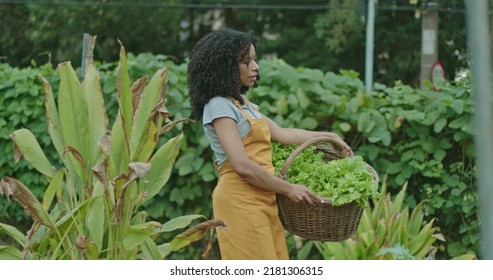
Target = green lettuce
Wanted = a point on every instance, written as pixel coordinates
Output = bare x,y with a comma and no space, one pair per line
343,180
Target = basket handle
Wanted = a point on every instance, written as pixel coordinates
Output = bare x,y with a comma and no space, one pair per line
337,152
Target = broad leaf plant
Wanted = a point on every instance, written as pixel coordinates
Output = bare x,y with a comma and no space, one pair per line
91,206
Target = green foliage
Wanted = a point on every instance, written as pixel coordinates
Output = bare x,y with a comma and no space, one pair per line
21,98
420,137
57,30
343,180
343,34
332,37
423,138
388,230
398,252
90,207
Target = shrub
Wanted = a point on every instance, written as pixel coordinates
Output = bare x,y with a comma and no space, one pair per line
91,206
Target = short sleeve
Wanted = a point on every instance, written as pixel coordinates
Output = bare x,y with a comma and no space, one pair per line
219,107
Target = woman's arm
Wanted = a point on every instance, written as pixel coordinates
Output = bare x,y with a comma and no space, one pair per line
252,172
290,136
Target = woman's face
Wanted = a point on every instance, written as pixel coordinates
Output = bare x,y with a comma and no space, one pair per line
248,68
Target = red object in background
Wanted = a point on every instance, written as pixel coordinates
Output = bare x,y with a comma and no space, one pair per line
437,74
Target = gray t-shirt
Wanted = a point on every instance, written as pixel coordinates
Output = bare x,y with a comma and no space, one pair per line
220,107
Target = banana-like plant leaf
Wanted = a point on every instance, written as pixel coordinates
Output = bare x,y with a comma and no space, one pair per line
182,241
161,165
419,241
78,162
416,220
150,97
100,171
194,234
10,187
137,91
426,249
399,198
53,122
148,143
150,250
98,121
467,257
10,253
26,145
55,186
378,211
165,249
14,233
73,112
124,93
137,234
404,225
69,221
337,250
126,202
180,222
96,217
365,221
172,124
120,150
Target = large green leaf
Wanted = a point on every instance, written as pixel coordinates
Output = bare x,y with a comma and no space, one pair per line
96,217
98,121
53,122
398,200
194,234
148,143
119,153
150,250
165,249
10,187
14,233
10,253
137,234
55,186
74,218
161,165
304,101
146,108
365,123
73,112
308,123
180,222
25,144
124,92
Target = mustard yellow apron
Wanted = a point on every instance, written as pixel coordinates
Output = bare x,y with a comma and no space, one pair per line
253,229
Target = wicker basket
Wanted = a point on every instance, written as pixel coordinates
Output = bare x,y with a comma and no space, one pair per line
321,220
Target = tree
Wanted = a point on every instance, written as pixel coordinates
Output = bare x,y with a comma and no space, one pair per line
58,29
328,38
397,39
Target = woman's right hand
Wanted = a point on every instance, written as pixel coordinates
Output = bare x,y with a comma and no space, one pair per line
300,193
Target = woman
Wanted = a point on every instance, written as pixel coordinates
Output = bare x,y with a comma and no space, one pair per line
222,67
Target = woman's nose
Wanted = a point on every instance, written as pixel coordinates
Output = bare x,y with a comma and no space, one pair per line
255,66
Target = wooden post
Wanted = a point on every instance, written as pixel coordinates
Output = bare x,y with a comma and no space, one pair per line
429,41
87,51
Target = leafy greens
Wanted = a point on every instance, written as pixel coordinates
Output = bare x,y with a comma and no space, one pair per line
343,180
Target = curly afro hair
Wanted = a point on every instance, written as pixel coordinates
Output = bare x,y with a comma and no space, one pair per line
213,67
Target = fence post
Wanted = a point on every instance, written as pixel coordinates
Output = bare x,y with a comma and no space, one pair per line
370,30
478,41
87,51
